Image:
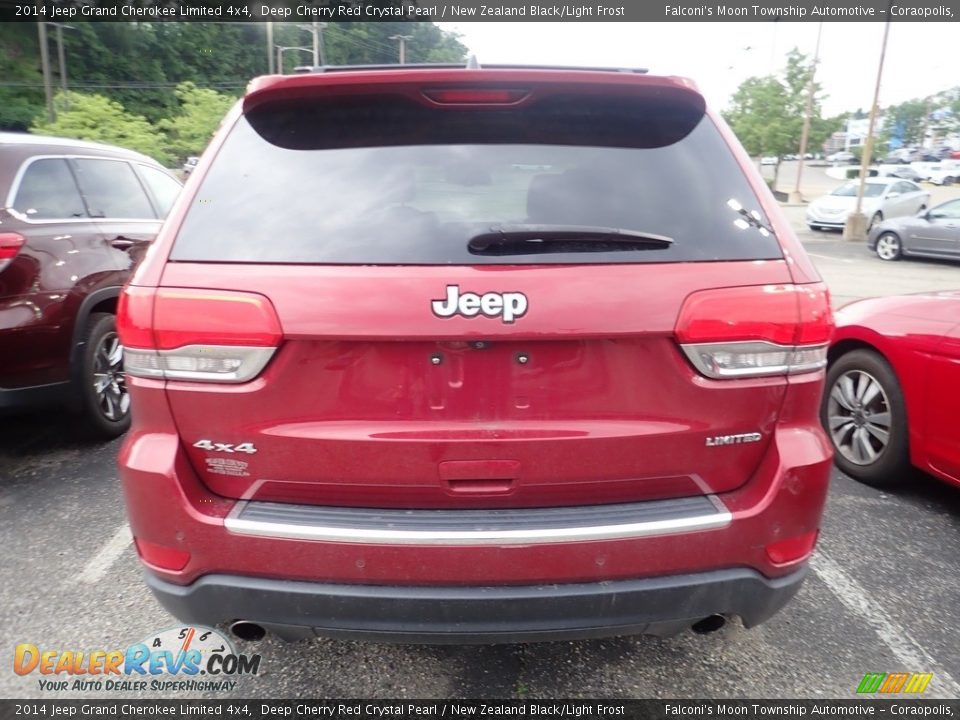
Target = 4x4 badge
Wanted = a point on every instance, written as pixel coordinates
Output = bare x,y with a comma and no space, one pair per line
509,305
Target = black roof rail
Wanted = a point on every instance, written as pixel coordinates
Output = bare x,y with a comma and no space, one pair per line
309,69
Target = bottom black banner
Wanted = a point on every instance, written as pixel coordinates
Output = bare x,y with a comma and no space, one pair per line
462,709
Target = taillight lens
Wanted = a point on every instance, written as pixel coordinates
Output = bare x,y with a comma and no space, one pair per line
10,245
196,335
756,331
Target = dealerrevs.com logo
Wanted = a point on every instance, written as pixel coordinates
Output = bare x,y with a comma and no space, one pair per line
179,659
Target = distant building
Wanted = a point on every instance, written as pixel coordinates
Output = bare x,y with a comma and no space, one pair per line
853,135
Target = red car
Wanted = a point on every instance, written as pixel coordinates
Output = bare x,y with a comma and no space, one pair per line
441,354
75,218
893,388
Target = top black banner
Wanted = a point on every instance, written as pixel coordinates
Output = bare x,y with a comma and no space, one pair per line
478,11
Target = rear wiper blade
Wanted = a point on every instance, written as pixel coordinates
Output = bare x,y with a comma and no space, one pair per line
525,239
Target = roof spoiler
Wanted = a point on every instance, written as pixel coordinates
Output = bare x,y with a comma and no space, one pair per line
471,64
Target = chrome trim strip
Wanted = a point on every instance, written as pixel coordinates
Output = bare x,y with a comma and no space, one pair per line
534,536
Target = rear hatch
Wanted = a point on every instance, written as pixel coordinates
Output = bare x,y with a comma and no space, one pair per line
473,289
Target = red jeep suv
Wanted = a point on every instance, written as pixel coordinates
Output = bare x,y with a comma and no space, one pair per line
441,354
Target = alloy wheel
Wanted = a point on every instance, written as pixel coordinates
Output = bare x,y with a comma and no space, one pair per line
109,380
858,417
888,247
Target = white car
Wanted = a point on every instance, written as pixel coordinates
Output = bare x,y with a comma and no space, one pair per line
946,173
883,197
770,160
843,156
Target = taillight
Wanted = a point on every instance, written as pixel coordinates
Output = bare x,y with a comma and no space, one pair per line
10,244
756,331
197,335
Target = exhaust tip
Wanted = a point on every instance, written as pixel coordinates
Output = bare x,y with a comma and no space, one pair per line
709,624
245,630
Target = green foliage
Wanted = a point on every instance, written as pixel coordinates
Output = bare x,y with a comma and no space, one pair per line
761,119
96,118
141,65
21,83
201,111
767,113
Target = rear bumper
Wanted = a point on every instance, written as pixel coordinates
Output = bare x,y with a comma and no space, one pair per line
440,615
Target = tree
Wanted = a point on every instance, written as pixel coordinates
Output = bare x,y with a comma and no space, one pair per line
140,64
767,112
21,83
201,111
96,118
760,118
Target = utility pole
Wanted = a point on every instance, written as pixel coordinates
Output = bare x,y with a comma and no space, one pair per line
316,29
61,57
402,39
271,68
796,196
856,226
45,65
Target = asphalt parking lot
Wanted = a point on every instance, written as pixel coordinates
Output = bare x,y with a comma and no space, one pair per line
883,594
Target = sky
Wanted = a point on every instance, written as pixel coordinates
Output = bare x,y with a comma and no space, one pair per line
718,56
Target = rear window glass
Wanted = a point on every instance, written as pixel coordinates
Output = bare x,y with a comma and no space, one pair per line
394,182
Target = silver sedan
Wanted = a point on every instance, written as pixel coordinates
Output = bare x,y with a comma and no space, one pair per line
933,233
883,197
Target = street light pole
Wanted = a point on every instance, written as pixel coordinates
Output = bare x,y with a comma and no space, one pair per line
281,49
856,225
796,196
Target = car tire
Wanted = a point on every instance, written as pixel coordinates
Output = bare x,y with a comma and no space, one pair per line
865,418
949,180
889,247
815,228
105,403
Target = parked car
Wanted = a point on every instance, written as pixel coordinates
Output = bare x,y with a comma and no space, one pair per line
769,160
904,172
883,197
190,164
945,173
842,157
397,373
934,233
893,388
76,217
